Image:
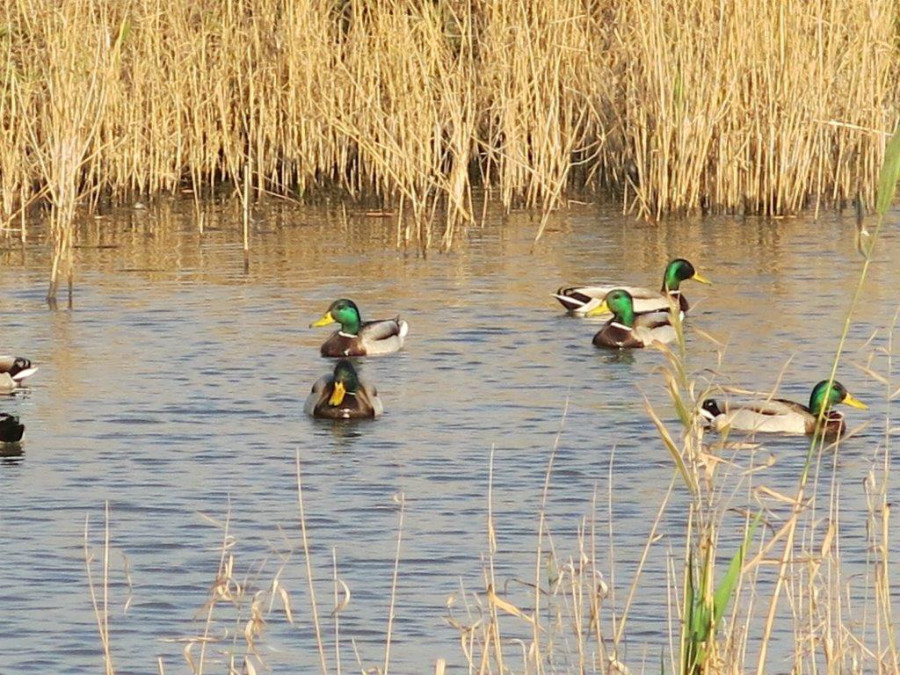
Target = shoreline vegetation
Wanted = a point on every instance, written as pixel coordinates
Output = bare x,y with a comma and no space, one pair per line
671,107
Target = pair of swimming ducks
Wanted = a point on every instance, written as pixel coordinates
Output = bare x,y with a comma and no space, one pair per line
343,394
640,317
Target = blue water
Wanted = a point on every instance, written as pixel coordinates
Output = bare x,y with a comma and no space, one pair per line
173,389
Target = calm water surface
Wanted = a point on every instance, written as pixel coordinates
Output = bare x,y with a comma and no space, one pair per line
174,387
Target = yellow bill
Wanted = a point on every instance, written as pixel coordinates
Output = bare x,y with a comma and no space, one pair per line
324,321
337,396
855,402
702,279
602,308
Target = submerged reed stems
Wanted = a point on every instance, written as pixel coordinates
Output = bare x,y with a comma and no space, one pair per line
758,107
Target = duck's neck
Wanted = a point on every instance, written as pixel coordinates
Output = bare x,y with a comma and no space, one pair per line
671,283
625,316
351,324
822,399
818,403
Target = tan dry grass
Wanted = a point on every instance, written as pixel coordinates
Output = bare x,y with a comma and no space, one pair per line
741,106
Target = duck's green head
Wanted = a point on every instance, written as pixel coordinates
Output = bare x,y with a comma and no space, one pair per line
345,382
824,397
344,312
619,303
680,270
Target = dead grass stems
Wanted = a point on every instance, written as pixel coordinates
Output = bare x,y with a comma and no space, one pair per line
740,107
101,607
838,615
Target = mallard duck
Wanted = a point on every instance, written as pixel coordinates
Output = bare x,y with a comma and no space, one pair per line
629,329
357,337
783,416
11,429
579,300
13,370
343,395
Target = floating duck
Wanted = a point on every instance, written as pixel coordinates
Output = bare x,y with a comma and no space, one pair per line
783,416
14,370
629,329
343,395
357,337
579,300
11,429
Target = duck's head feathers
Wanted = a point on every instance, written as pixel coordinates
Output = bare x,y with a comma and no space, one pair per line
619,303
346,381
824,397
680,270
344,312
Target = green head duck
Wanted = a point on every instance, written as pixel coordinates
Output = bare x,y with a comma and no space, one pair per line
824,397
620,304
345,382
344,312
680,270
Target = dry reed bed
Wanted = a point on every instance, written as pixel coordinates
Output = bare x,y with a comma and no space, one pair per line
763,107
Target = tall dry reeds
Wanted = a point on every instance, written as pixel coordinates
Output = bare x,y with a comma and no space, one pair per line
761,107
709,105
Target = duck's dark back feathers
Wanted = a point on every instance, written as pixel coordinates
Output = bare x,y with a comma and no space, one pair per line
11,429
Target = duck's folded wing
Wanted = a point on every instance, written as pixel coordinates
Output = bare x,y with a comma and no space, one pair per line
652,320
381,330
320,390
777,415
576,298
581,299
370,396
18,367
780,406
599,291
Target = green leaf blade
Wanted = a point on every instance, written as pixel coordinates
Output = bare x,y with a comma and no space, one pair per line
890,173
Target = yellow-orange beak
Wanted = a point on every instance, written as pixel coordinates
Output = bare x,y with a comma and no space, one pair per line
602,308
699,277
854,402
324,321
337,396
